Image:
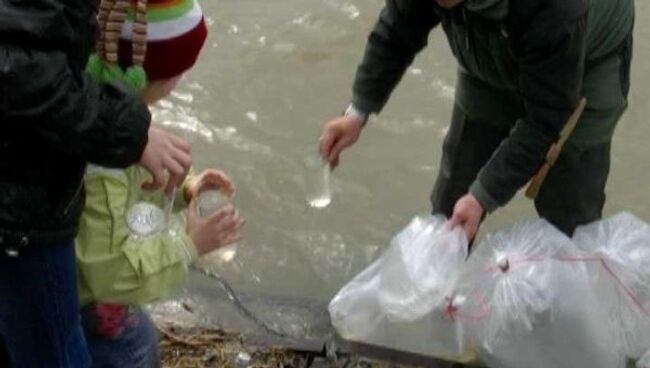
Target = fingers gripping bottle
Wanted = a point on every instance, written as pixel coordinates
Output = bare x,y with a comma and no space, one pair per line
209,201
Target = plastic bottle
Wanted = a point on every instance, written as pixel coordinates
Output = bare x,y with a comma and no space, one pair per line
318,191
145,218
242,360
208,202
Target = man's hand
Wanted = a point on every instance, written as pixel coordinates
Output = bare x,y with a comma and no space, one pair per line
467,213
338,134
165,152
209,178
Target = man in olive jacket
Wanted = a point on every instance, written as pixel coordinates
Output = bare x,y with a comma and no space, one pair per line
523,66
54,119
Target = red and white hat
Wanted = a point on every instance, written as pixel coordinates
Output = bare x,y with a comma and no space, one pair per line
175,34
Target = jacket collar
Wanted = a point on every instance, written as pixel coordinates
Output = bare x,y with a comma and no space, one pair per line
489,9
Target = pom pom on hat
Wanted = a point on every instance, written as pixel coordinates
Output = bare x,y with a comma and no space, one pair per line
136,77
160,43
95,66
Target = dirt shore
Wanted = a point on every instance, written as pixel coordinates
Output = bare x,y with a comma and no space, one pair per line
184,347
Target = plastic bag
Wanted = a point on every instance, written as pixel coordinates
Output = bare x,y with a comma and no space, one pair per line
644,362
530,305
622,279
400,301
354,311
420,268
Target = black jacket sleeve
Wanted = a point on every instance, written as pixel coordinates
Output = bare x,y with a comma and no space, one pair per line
400,33
43,95
552,47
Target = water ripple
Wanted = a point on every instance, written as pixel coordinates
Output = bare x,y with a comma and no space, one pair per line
180,115
230,136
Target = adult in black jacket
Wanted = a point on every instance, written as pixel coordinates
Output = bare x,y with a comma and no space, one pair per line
523,66
54,119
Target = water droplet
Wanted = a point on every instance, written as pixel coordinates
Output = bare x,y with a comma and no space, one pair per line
252,116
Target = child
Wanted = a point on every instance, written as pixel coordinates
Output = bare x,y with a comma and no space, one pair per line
54,119
121,265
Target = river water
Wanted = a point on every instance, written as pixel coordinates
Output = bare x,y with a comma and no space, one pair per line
271,73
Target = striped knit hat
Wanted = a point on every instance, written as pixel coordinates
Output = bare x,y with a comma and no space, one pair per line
147,40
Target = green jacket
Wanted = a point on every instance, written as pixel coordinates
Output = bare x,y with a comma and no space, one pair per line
115,266
489,60
522,63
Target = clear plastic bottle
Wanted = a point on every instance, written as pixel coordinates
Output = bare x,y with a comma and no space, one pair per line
208,202
318,192
242,360
145,218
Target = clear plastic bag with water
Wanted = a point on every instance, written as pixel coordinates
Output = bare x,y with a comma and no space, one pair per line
531,303
644,362
420,268
401,300
622,279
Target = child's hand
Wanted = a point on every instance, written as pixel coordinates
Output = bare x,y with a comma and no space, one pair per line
165,152
215,231
206,179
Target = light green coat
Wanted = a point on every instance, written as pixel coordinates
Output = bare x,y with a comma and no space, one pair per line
114,266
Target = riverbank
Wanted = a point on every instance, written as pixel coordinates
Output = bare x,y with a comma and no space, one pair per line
188,341
184,347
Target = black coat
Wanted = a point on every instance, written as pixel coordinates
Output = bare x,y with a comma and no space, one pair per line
54,118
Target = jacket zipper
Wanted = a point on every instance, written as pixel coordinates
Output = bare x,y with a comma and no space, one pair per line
467,28
66,209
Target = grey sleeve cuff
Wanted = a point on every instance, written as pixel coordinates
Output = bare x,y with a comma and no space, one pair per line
488,202
357,113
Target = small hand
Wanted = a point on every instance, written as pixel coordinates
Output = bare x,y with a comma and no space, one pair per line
467,213
215,231
209,178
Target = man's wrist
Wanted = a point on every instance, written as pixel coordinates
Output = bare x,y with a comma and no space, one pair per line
487,202
356,113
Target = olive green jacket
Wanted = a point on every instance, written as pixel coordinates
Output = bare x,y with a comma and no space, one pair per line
522,63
